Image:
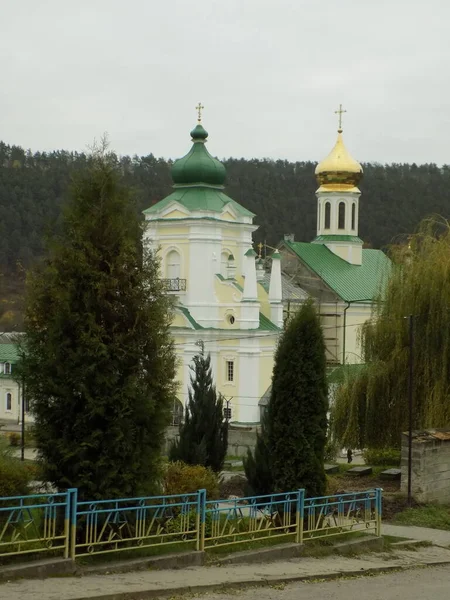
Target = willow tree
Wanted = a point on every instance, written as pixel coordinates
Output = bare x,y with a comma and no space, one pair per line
371,409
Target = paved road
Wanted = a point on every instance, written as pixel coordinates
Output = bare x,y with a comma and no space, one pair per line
432,583
148,583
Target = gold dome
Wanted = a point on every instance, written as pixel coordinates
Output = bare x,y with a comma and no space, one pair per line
339,170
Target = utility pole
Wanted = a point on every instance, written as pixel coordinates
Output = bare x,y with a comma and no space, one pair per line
22,448
410,405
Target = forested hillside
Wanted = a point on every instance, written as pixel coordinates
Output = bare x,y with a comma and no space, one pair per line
33,188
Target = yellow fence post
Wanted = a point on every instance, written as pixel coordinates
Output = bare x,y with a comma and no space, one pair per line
300,516
73,500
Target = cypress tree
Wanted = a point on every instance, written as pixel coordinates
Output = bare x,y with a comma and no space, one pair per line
257,464
298,406
98,361
203,436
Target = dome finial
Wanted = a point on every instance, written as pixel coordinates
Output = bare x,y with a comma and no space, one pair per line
340,112
199,109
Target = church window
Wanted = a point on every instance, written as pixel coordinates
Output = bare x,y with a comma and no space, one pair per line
177,412
8,402
7,368
229,373
341,215
224,264
327,215
173,265
353,215
231,319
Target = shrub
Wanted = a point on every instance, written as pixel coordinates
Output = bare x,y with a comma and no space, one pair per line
14,438
14,477
181,478
378,458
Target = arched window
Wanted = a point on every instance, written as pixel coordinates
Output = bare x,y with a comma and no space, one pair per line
7,368
327,215
9,402
224,264
341,215
177,412
353,215
318,216
173,265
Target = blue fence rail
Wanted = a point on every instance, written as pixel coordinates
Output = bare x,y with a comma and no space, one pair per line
61,524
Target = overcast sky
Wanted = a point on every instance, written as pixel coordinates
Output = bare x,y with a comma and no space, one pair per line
270,74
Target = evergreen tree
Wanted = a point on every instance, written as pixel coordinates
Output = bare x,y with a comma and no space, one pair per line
98,362
298,406
257,465
371,408
203,438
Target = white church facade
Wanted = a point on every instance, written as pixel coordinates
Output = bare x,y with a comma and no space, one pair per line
204,240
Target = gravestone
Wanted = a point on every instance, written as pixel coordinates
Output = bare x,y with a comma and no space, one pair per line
331,469
391,474
360,471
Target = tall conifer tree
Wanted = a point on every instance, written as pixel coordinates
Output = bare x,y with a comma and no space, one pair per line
98,362
203,438
298,406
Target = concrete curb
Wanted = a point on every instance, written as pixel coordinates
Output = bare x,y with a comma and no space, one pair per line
222,587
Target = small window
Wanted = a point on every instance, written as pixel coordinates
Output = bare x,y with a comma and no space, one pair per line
341,215
353,215
231,320
229,370
27,404
227,413
7,368
327,215
8,402
173,262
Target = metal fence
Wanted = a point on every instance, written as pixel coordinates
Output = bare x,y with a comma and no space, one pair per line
113,525
61,524
37,523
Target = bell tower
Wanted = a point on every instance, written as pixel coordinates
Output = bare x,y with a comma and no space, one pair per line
338,195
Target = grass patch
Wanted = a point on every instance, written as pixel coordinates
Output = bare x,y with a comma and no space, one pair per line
435,517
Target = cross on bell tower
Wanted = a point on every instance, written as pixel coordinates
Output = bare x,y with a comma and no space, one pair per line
340,113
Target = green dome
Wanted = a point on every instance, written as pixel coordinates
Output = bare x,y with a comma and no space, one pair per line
198,166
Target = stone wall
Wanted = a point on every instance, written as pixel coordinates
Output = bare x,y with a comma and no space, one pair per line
430,465
239,439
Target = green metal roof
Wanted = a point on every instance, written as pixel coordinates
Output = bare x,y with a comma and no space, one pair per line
198,179
9,353
265,324
199,198
338,238
352,283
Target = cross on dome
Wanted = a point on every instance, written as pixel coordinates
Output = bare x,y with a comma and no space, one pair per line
340,113
199,109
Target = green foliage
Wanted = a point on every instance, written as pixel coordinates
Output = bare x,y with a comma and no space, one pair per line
33,189
14,439
298,406
436,517
203,438
15,477
181,478
376,457
371,409
257,464
97,356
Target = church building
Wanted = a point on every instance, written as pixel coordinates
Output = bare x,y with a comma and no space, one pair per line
221,297
345,279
